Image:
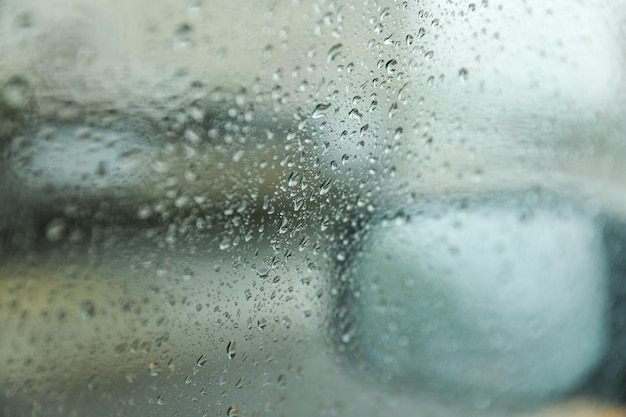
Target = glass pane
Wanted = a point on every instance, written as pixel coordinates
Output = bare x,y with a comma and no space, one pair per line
312,207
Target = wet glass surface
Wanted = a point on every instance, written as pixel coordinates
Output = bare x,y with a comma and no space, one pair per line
312,208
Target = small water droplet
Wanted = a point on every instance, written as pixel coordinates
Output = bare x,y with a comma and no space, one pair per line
355,114
202,360
324,223
190,173
154,368
389,66
420,33
320,110
261,323
333,52
281,381
410,40
16,93
192,136
429,54
225,243
293,179
392,110
284,226
88,309
232,411
262,272
91,383
230,349
463,74
298,203
240,383
56,229
325,186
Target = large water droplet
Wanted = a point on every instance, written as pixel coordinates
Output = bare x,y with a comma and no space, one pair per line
320,110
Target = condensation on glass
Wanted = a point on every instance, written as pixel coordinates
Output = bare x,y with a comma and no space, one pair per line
298,207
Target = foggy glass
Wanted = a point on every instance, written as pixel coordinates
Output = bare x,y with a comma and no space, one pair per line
312,208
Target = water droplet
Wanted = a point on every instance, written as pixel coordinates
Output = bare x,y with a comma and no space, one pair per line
364,129
16,93
463,73
160,400
325,187
202,360
88,309
429,55
240,383
225,243
281,381
410,40
261,323
320,110
232,411
230,349
471,7
389,66
293,179
392,109
284,226
154,368
420,33
55,230
324,223
262,272
192,136
333,52
298,203
355,114
91,383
